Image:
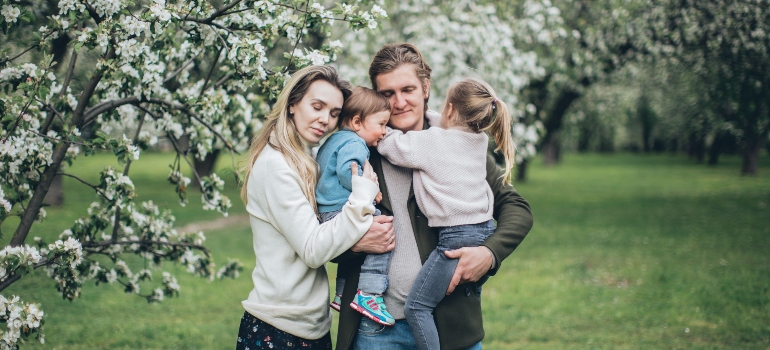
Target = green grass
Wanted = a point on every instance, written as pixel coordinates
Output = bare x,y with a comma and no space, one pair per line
635,252
627,252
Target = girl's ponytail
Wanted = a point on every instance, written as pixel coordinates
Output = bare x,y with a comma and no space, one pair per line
501,132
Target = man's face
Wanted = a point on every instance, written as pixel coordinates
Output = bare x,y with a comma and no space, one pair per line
406,95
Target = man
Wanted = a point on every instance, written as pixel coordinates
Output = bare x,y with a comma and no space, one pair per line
399,73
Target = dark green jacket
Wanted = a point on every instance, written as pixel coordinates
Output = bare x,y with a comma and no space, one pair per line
458,316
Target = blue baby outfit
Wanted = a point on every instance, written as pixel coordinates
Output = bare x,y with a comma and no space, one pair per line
334,158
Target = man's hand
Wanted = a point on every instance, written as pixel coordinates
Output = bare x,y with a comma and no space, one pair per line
474,263
379,239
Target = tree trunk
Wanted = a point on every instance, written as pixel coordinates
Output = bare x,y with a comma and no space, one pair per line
584,139
696,147
716,148
204,167
553,123
751,157
59,152
55,195
521,172
552,150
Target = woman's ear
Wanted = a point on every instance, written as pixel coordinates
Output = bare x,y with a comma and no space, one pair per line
291,111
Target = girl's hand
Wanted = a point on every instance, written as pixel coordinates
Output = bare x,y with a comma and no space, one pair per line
368,172
378,198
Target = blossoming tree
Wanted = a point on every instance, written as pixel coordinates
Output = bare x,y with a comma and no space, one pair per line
726,46
162,68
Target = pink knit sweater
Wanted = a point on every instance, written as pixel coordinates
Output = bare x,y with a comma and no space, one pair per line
450,172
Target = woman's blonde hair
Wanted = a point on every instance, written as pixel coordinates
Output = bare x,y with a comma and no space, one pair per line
280,133
476,105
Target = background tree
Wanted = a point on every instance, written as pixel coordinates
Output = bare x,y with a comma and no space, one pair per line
154,69
594,40
726,44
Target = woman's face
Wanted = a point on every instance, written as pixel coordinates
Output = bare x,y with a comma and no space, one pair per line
406,95
316,114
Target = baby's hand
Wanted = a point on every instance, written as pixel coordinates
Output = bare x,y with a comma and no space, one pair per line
378,198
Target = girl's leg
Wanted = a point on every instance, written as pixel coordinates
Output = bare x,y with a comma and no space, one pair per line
428,290
433,280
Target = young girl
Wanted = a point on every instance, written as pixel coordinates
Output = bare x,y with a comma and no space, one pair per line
450,187
362,124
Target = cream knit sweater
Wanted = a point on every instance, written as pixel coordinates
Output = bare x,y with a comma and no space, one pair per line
291,289
450,172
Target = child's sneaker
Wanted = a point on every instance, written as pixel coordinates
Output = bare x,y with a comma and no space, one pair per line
372,306
336,302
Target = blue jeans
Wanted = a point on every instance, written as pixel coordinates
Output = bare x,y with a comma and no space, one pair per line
374,271
432,282
374,336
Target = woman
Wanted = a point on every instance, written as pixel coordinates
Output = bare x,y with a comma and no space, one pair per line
288,307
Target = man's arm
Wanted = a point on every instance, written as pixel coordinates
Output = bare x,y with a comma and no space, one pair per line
514,220
513,215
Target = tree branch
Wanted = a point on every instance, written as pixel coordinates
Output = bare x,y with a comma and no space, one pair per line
16,276
109,105
145,243
299,37
192,114
180,154
97,189
222,80
222,11
70,70
181,68
208,76
19,55
105,106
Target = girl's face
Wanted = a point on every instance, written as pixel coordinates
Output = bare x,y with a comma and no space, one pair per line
372,129
316,114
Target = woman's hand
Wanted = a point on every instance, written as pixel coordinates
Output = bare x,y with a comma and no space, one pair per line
379,239
368,172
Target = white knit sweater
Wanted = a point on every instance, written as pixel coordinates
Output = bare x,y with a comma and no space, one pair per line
291,289
449,172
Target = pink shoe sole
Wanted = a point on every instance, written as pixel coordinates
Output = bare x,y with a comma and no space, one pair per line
335,306
368,315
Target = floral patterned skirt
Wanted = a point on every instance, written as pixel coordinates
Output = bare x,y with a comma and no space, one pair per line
257,334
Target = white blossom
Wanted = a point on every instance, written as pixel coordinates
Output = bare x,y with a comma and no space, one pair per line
11,13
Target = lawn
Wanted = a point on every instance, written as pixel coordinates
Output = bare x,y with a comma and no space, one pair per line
627,252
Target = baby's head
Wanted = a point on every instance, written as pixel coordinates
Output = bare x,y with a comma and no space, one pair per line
366,113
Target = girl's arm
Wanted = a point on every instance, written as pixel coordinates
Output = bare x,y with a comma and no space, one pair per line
275,196
407,150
